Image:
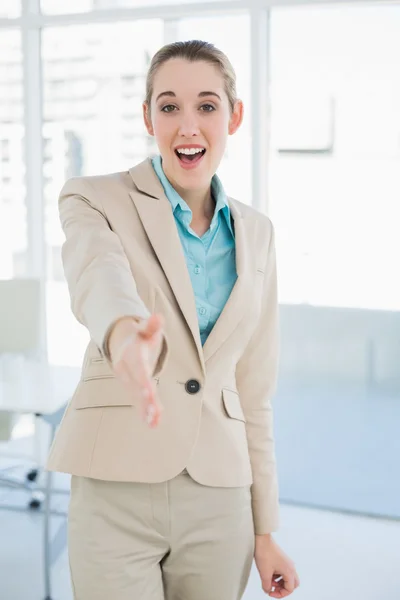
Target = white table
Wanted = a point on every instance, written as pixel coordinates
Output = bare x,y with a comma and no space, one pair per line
27,386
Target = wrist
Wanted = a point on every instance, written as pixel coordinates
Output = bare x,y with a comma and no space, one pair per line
263,539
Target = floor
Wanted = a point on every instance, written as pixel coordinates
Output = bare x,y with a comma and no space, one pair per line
337,556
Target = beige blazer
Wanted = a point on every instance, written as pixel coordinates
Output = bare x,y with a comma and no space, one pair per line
123,256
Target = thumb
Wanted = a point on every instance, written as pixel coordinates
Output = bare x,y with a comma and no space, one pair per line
268,582
151,326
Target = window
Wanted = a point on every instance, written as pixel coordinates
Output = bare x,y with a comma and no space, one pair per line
224,31
334,185
79,6
88,88
13,230
10,9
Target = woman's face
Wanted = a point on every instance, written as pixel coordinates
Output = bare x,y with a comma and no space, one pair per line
191,119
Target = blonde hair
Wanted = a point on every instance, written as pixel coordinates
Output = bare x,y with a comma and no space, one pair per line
193,51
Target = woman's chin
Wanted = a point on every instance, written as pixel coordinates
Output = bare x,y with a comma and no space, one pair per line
191,182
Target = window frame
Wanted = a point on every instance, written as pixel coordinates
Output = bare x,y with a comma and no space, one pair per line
31,23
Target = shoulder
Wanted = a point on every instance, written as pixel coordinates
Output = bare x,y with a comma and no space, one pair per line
103,189
96,183
93,189
262,222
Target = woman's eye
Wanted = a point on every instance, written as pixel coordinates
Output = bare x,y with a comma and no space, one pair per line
168,108
207,107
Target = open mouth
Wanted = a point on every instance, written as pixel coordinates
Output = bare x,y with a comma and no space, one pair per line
192,158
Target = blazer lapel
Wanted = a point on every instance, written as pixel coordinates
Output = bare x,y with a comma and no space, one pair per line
237,304
156,214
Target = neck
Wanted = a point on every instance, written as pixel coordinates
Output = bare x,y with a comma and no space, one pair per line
200,202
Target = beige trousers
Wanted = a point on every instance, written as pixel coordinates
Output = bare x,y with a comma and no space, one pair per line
176,540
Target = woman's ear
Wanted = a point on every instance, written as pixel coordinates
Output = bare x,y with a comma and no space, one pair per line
236,117
147,118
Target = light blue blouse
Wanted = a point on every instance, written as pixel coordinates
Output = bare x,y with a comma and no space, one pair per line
210,259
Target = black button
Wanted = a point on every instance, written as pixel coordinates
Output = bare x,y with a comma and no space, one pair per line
192,386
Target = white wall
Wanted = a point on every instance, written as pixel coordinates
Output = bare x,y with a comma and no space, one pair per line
339,346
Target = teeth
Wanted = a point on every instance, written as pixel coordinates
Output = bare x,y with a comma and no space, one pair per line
189,150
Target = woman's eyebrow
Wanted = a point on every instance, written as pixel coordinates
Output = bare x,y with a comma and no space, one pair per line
171,94
202,94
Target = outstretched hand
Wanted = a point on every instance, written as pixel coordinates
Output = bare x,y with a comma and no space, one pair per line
135,347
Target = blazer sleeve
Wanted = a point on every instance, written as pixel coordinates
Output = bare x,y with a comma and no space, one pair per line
256,377
97,270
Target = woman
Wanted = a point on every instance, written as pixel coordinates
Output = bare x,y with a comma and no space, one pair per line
169,434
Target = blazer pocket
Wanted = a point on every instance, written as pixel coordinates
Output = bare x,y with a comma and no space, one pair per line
232,405
97,368
100,392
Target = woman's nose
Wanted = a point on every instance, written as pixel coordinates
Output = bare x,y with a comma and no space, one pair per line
188,125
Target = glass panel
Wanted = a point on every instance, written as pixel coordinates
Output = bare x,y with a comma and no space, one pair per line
10,9
13,230
79,6
93,93
334,181
335,190
224,31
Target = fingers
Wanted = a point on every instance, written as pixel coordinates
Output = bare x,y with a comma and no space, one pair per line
140,361
150,407
134,365
268,582
288,584
151,411
283,586
135,373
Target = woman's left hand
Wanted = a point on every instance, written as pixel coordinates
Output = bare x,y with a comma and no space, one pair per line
273,564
